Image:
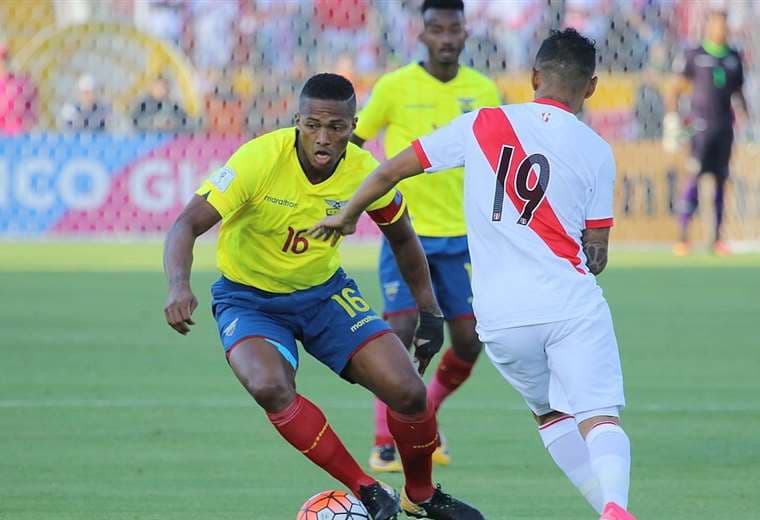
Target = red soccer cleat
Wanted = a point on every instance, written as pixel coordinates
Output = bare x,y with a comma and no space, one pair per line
612,511
721,249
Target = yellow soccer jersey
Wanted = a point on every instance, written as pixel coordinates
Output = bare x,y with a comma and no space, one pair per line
267,202
409,103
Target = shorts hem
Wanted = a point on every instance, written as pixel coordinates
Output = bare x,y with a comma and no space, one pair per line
235,345
365,343
342,371
462,317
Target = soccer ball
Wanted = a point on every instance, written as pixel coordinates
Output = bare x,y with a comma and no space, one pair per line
333,505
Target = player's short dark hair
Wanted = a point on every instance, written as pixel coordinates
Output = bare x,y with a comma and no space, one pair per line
329,86
455,5
569,56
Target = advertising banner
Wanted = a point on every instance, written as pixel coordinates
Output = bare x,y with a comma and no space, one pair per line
94,187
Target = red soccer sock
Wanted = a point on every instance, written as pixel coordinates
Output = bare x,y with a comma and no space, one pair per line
383,435
416,438
452,372
305,427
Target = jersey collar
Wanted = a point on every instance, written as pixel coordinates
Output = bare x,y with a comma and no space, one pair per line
554,103
716,50
421,66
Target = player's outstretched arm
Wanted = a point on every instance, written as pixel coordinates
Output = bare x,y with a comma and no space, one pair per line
378,183
412,263
595,245
197,218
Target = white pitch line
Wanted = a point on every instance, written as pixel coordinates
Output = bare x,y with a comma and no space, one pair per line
347,404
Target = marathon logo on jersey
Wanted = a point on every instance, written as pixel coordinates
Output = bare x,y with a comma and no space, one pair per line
222,178
362,322
334,206
280,202
466,104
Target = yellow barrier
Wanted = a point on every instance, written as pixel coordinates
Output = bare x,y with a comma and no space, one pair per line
650,183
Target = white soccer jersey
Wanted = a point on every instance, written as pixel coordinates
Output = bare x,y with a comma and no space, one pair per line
535,178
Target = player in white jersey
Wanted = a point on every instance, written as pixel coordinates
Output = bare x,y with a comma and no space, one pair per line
538,204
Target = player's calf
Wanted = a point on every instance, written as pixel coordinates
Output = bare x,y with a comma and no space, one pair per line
562,439
610,452
269,379
457,362
384,368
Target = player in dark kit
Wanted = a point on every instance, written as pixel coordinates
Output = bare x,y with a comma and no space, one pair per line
715,75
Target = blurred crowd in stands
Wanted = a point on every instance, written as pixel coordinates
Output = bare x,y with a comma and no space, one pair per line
249,57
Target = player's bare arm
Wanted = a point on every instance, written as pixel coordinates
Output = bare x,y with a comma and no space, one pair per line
595,245
197,218
383,179
413,266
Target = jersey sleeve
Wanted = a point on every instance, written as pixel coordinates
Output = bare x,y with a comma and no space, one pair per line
237,182
599,213
444,148
374,116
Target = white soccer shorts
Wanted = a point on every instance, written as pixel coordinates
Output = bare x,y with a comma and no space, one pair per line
572,366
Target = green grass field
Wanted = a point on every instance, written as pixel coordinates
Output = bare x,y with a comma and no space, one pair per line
105,413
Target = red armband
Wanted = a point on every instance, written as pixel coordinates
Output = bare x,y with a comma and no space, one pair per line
390,213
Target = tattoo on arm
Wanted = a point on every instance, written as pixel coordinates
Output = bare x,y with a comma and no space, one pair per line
596,253
595,246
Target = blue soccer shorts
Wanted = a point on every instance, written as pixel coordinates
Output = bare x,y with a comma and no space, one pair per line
449,261
331,320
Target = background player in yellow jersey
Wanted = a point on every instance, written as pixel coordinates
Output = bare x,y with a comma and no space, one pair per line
278,286
409,103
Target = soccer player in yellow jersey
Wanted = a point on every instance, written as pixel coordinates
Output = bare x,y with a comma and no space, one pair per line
409,103
279,286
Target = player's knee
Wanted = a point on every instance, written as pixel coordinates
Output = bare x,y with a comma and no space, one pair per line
272,395
411,398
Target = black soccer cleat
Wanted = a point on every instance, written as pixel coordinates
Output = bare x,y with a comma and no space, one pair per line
441,506
381,501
